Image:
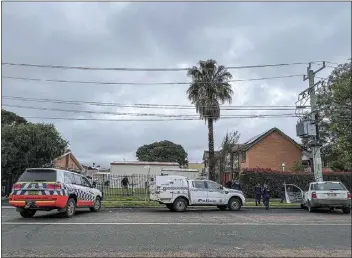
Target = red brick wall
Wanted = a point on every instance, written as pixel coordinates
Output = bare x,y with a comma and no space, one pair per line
67,163
271,152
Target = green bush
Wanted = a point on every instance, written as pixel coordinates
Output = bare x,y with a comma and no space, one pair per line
275,179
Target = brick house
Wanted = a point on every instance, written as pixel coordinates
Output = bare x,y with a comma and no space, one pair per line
69,162
270,149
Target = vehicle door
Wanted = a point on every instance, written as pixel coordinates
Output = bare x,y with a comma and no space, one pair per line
89,194
79,190
215,192
293,193
198,192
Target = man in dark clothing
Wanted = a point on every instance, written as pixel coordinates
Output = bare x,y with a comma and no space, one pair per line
236,186
228,184
266,196
258,194
124,183
283,197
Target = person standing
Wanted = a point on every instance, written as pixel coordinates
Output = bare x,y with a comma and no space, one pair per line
283,197
236,186
258,194
124,183
266,196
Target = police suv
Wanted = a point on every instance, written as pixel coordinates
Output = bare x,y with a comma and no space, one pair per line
48,189
178,192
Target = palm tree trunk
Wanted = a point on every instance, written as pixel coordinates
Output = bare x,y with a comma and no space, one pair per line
211,149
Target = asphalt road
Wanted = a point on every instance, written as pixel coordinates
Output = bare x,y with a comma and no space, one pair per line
196,233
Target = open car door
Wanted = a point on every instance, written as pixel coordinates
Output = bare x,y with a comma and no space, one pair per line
293,193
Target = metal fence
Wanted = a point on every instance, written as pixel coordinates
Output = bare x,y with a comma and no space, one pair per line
119,187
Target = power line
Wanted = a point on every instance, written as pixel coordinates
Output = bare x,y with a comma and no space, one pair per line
143,83
163,106
112,113
150,120
146,69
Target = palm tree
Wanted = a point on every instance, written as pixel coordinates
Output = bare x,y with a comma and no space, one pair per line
210,86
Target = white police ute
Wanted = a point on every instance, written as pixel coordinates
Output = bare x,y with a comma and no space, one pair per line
179,192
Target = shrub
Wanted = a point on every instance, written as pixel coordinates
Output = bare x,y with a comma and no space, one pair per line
275,179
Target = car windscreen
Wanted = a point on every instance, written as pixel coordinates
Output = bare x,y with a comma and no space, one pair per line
328,187
40,175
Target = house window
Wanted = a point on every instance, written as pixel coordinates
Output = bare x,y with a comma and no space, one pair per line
243,154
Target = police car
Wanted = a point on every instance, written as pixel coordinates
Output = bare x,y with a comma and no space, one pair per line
178,192
48,189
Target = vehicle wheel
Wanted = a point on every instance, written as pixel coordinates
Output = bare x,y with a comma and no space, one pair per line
97,205
27,213
310,208
235,204
170,207
346,210
70,208
180,205
222,207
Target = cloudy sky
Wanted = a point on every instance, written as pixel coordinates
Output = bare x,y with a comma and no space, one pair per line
163,35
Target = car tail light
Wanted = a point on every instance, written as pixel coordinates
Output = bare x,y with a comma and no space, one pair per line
314,195
53,186
348,195
16,187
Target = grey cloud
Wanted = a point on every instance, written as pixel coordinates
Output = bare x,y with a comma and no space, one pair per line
164,35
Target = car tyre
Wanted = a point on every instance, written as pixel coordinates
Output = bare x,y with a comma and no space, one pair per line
346,210
28,213
97,205
222,207
234,204
180,205
70,208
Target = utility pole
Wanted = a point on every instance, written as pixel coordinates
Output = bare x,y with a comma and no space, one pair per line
317,164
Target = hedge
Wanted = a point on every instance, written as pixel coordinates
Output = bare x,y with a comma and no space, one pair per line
275,179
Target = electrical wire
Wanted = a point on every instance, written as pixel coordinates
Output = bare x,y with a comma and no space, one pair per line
144,83
109,113
147,69
162,106
147,120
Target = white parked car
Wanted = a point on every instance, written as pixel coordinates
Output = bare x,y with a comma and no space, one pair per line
178,192
327,194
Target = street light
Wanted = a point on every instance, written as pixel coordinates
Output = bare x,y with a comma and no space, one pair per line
283,166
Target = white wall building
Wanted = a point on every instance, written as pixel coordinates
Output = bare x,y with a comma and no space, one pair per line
137,172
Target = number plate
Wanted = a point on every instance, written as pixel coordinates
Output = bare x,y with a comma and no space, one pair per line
34,192
332,194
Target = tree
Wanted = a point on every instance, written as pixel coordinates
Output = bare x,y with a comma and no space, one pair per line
334,100
10,118
228,142
210,87
163,151
26,145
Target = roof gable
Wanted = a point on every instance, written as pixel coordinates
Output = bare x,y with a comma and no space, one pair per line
256,139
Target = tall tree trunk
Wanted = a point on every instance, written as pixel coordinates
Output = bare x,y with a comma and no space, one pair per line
211,150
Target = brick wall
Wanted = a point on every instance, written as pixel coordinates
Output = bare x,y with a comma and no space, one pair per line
271,152
67,163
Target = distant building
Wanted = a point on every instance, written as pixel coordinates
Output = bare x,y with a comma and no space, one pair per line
69,162
138,172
